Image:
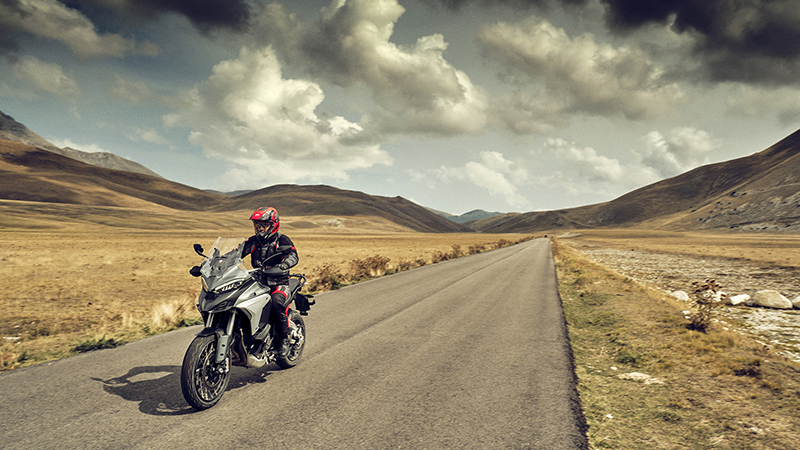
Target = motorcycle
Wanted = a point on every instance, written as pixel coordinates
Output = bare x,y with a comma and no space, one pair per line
235,305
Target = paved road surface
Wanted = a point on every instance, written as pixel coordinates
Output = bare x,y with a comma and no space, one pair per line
468,353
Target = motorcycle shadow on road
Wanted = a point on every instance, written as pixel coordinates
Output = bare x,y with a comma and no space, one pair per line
157,389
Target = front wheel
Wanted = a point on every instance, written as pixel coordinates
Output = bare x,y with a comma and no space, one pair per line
202,380
298,342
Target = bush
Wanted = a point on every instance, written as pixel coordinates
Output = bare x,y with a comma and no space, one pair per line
705,298
477,248
325,278
374,266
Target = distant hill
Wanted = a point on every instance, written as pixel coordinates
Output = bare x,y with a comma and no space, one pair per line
760,192
14,131
32,174
294,200
475,214
229,193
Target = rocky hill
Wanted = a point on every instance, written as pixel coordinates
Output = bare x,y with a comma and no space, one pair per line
760,192
14,131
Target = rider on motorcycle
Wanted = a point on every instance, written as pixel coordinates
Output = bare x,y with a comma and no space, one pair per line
261,247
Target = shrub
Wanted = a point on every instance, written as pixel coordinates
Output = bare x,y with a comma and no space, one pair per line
374,266
325,278
438,257
477,248
705,298
404,264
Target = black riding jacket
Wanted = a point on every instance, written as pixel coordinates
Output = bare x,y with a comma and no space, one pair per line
261,250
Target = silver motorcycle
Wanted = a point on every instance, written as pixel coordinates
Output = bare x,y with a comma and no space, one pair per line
235,305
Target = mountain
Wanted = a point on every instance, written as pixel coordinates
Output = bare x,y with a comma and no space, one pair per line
33,174
760,192
36,175
475,214
12,130
294,200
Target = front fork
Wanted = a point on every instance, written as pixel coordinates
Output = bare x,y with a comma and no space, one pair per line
223,336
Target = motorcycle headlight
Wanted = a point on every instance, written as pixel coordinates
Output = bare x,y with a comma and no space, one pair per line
229,286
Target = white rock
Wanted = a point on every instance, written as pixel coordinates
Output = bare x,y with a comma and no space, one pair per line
739,299
636,376
771,299
681,295
796,303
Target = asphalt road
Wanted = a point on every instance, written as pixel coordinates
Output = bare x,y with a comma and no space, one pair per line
468,353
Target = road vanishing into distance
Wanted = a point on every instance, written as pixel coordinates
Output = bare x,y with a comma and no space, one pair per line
468,353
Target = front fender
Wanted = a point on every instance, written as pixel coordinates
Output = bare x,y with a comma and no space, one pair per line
207,331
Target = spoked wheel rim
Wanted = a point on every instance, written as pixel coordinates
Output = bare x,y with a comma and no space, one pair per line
208,380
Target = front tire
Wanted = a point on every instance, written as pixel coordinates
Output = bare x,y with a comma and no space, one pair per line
202,380
298,342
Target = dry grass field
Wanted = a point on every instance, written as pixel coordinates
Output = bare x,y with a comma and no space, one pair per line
101,278
648,380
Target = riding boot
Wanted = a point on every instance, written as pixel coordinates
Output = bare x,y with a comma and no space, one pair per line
283,347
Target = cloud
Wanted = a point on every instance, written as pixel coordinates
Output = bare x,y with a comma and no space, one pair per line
459,4
591,77
204,14
89,148
147,135
132,91
586,162
417,90
267,126
683,149
493,173
526,113
54,20
757,41
47,77
583,170
783,103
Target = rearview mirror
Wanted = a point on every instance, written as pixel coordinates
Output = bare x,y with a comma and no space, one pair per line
199,250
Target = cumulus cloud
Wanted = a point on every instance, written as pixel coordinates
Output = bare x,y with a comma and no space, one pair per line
683,149
585,162
247,114
416,89
526,113
591,77
492,172
47,77
754,41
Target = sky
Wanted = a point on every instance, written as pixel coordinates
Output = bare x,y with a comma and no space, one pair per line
500,105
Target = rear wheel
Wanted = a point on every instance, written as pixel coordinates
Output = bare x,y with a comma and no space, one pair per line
202,380
298,342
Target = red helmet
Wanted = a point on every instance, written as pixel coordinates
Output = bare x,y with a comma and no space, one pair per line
265,222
